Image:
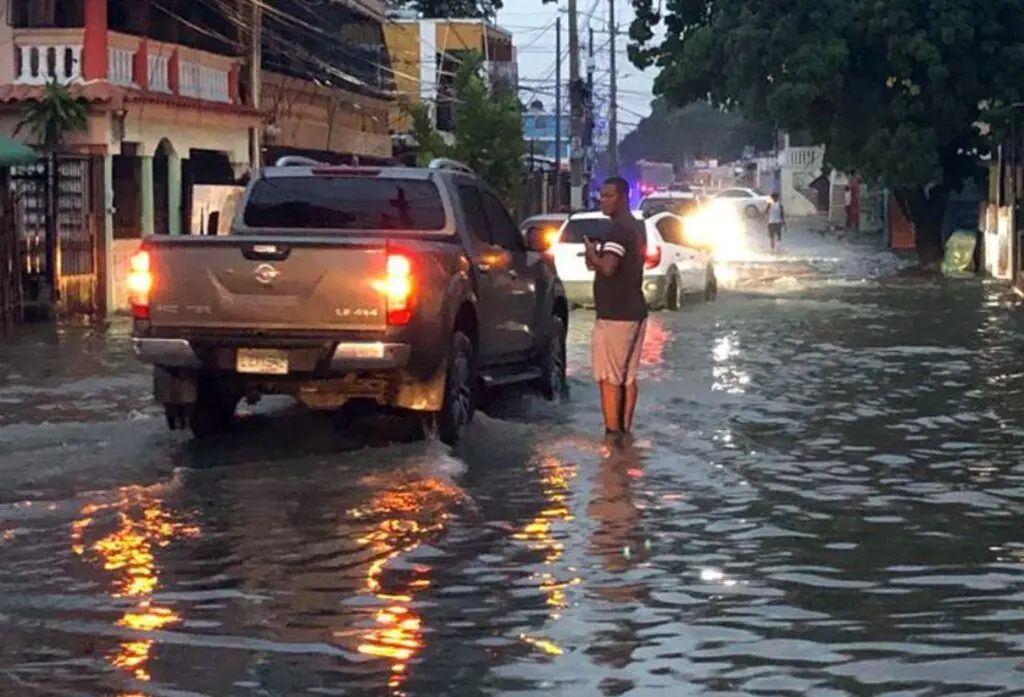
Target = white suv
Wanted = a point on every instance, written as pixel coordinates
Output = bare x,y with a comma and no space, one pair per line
672,270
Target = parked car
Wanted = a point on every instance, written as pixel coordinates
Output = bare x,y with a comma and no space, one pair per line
546,225
681,203
751,203
401,288
673,268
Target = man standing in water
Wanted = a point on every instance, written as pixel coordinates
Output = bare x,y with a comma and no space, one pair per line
618,262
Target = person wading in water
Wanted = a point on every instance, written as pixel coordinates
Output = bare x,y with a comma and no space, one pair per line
618,262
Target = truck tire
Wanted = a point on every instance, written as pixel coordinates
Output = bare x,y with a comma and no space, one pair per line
554,385
459,405
213,411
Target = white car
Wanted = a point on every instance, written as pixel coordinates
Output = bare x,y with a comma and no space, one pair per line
682,203
751,203
672,272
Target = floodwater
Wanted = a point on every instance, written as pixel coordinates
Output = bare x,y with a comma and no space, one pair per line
826,497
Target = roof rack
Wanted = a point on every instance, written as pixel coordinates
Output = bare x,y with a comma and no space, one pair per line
452,165
297,161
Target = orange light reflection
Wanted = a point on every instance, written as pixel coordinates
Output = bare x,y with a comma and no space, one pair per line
404,519
128,554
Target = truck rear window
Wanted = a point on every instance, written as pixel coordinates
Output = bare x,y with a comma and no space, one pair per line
594,228
344,203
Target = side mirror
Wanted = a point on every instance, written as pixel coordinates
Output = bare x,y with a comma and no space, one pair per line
541,239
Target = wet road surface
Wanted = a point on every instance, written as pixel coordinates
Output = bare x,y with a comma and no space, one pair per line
826,497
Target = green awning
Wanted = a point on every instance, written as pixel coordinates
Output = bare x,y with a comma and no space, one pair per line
14,153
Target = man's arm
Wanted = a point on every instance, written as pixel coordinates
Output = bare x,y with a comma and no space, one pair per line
606,260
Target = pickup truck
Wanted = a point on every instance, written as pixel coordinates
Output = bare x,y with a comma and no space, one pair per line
402,288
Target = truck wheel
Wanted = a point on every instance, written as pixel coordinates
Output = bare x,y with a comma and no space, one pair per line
213,411
458,406
752,212
554,384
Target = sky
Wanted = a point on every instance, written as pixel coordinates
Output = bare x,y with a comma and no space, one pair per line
533,25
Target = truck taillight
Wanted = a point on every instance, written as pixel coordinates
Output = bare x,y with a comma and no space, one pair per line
652,259
140,284
399,289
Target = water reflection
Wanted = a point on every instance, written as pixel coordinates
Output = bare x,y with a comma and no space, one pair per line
128,554
728,376
400,520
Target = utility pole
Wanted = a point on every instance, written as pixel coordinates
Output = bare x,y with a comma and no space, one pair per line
557,200
576,101
591,66
613,100
256,80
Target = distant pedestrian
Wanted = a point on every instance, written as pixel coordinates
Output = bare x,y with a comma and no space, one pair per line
621,324
776,221
848,199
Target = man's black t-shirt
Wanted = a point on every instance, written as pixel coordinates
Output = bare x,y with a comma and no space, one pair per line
620,296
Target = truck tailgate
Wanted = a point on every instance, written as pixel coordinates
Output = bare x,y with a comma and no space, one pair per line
266,284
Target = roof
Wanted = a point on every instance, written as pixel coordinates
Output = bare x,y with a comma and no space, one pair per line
388,172
14,153
103,92
681,195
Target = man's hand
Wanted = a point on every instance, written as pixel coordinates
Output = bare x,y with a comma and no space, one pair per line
604,264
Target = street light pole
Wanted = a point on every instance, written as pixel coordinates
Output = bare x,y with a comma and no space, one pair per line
576,102
613,99
557,202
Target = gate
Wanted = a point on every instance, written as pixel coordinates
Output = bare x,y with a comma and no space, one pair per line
76,232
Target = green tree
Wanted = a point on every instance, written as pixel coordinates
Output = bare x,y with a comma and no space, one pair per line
52,117
429,144
450,8
697,130
895,89
488,130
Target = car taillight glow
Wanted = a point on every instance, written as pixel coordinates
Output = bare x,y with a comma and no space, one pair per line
140,284
551,238
399,288
653,256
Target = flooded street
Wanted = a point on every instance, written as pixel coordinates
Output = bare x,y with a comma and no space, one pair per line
826,496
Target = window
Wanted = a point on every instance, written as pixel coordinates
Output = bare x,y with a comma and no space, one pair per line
345,203
733,193
594,228
504,232
671,230
473,207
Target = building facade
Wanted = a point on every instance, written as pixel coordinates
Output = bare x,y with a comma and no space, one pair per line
541,133
425,55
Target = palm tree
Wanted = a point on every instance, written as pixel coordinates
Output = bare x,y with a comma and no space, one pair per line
50,119
57,113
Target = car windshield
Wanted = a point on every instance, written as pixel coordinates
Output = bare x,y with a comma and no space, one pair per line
595,228
345,203
679,206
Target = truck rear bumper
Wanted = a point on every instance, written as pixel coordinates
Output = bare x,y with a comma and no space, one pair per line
346,356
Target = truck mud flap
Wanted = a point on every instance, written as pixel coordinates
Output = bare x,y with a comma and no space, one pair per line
174,386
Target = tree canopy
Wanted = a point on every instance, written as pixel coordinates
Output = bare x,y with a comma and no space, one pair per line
450,8
697,130
895,89
488,130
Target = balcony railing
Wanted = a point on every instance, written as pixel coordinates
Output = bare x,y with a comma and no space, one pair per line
44,55
121,63
39,64
204,82
159,73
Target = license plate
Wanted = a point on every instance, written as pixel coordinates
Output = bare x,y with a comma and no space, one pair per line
262,362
